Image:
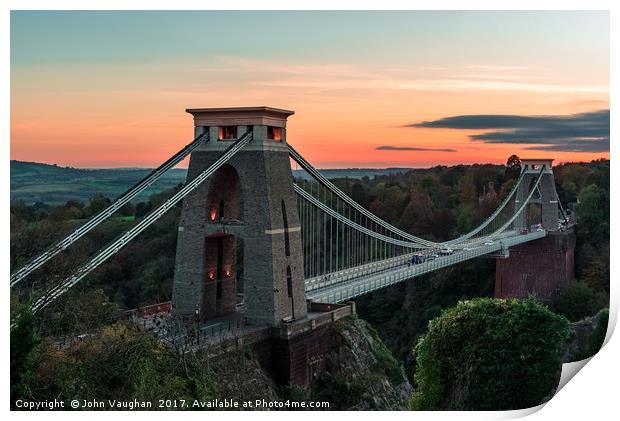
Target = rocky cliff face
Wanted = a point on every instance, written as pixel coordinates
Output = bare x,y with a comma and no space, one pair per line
587,337
361,374
238,376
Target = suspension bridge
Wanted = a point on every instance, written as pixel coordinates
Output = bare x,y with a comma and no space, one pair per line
304,240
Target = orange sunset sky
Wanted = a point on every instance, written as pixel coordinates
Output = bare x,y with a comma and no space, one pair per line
109,89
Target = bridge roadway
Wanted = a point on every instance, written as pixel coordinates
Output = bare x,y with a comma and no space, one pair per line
349,283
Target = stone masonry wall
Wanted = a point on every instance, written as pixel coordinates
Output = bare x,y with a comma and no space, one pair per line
540,267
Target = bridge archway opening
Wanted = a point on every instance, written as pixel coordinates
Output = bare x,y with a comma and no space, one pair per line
239,256
533,210
220,275
225,199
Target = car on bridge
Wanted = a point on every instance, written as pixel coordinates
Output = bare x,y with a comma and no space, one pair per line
418,258
446,251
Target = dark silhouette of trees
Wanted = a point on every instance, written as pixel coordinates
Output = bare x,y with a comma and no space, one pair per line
24,343
513,167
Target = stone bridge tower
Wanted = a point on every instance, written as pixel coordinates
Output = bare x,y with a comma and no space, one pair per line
246,210
548,198
542,267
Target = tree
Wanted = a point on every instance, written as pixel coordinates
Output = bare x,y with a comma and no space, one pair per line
80,311
97,203
489,354
598,336
513,167
468,195
24,341
593,214
359,193
577,301
74,204
20,211
142,209
596,274
128,209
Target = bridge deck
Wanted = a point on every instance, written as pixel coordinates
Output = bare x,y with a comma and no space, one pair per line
353,282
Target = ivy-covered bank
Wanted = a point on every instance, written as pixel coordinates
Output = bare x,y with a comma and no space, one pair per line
490,354
122,362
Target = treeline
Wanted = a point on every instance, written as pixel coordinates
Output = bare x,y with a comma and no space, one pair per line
438,203
442,202
139,274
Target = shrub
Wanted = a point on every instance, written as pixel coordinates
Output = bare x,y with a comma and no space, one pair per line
489,354
341,392
24,344
386,363
597,337
577,301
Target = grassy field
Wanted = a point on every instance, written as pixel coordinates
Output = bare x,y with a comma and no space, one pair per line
34,182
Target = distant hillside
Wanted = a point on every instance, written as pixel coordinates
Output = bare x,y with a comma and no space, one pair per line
36,182
352,172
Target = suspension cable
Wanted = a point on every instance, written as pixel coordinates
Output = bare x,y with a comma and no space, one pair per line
359,228
59,246
493,215
325,182
297,157
525,203
125,238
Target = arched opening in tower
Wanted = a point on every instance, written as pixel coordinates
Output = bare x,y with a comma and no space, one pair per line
533,210
220,280
224,200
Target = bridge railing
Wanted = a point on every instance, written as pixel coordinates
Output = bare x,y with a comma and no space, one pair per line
346,290
325,280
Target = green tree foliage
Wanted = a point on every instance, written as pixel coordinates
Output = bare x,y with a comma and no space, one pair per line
119,363
598,336
589,347
488,354
596,274
513,167
139,274
22,213
593,211
82,310
437,203
128,209
24,343
577,301
401,313
97,203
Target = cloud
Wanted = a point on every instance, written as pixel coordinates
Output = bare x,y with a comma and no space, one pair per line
330,75
585,132
412,148
598,145
494,67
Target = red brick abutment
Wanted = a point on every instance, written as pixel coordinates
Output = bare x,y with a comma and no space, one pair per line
542,267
